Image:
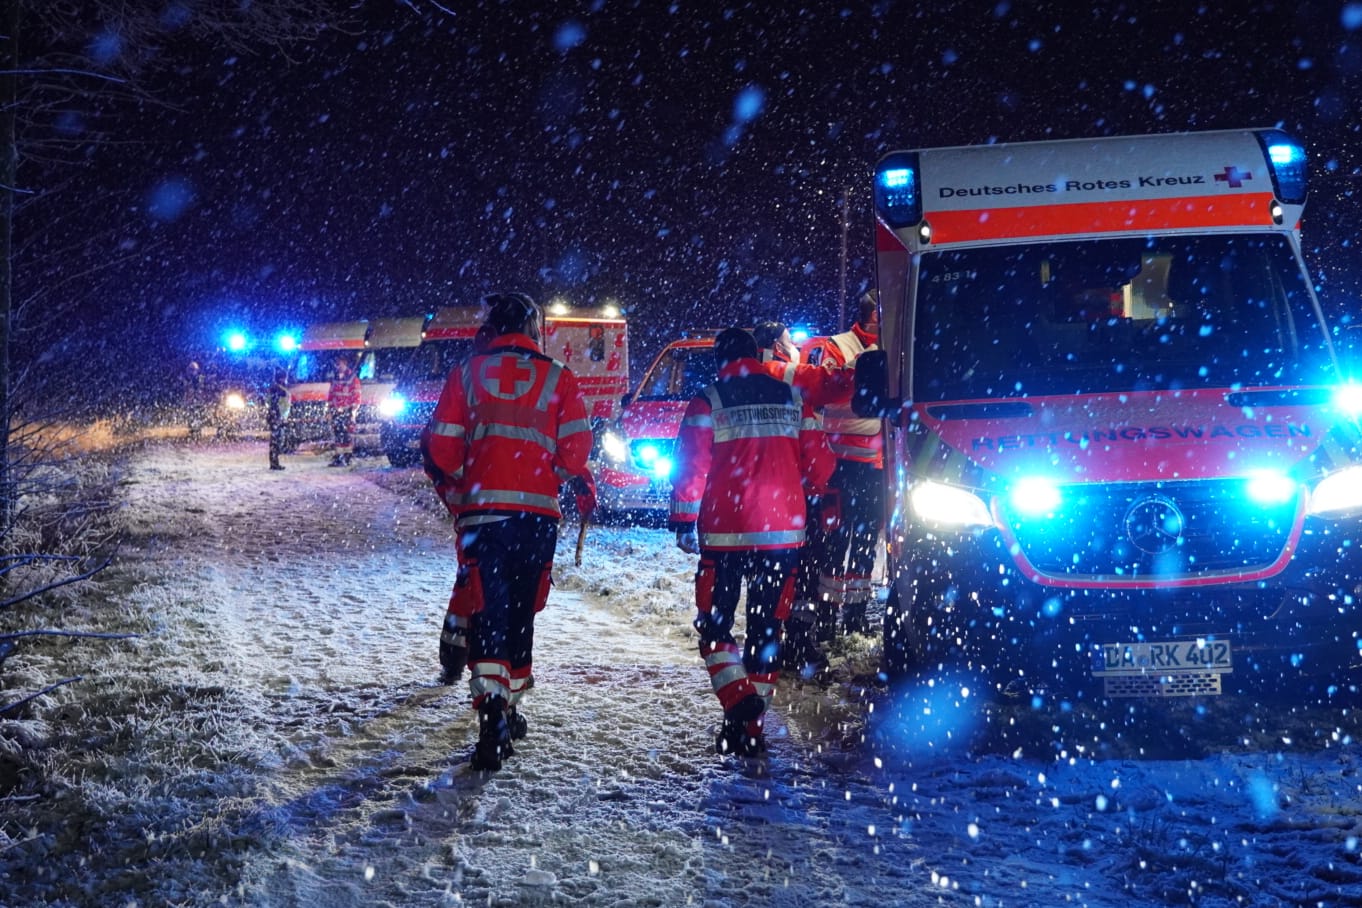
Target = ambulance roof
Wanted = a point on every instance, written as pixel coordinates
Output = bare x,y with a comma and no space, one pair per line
396,332
334,336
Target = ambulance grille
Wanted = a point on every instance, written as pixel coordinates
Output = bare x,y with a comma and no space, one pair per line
1199,527
1191,684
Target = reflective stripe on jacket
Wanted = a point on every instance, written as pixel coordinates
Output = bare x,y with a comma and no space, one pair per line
510,426
748,450
851,437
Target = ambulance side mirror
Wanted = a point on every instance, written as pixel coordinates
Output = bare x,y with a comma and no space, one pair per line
871,398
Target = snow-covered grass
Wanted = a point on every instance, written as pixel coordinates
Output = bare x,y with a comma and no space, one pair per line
275,737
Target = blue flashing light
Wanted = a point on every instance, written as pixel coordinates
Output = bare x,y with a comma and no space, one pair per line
286,343
662,468
648,454
237,342
1267,487
1286,158
898,194
1036,496
799,334
1348,399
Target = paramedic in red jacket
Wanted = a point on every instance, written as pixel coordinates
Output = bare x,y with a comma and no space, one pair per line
821,387
510,427
855,507
747,451
342,400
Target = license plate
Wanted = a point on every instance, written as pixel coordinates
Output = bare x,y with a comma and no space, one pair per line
1168,658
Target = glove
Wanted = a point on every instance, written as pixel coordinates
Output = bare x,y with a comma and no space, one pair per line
687,541
584,488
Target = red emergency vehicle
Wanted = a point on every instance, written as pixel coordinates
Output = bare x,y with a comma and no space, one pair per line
1122,456
633,462
594,344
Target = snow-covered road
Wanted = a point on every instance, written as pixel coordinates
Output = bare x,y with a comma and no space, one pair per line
276,737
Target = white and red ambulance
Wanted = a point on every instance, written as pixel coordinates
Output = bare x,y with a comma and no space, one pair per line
379,349
594,344
1122,459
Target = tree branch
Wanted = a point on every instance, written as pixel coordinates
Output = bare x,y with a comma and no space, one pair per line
13,707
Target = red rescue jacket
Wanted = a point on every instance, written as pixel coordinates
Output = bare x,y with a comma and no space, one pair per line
852,437
509,428
748,452
344,393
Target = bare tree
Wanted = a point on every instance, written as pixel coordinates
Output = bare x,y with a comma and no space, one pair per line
98,58
95,57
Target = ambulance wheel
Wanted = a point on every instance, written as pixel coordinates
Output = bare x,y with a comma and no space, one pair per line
917,633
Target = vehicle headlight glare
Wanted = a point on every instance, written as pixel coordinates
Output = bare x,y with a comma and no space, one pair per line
392,406
938,503
614,446
234,401
662,467
1338,493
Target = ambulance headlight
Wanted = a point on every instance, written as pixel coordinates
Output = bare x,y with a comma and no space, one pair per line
948,506
614,446
392,406
1338,493
234,401
1348,399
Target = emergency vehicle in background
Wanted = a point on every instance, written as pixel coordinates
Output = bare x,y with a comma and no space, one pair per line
593,343
1121,453
380,350
633,461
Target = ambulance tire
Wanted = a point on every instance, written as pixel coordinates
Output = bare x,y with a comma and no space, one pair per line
917,635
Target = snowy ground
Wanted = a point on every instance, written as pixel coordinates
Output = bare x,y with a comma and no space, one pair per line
275,737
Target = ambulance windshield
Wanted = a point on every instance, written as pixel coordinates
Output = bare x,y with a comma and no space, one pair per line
1163,313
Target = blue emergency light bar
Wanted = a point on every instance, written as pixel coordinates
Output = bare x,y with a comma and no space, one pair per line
898,191
236,341
1286,160
285,343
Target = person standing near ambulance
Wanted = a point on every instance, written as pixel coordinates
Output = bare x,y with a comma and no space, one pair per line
853,511
510,426
821,387
342,400
747,453
278,402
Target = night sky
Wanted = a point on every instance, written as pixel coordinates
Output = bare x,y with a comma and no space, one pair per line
686,160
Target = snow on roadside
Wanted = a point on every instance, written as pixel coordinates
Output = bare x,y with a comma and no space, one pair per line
275,738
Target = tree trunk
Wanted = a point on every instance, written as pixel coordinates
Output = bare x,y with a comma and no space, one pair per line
9,157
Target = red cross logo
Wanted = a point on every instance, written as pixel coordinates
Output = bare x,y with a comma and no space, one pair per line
1233,176
507,378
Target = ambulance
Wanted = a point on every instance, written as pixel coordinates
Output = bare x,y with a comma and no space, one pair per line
593,343
1122,455
380,348
633,459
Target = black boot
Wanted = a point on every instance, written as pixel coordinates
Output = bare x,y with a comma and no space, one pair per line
494,737
516,723
827,622
853,618
453,649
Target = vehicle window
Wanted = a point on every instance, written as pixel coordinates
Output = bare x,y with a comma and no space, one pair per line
1115,315
679,375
